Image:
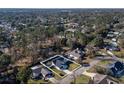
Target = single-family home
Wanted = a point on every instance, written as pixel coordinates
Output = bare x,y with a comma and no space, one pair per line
40,71
46,73
116,33
36,71
116,69
103,79
76,54
71,25
61,63
112,47
71,30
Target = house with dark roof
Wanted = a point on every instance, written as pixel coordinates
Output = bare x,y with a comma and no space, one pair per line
40,71
62,63
46,73
116,69
36,71
103,79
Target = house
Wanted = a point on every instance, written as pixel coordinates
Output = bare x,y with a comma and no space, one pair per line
114,39
46,73
112,47
40,71
86,29
103,79
61,63
110,34
116,33
76,54
116,69
71,25
36,71
114,43
71,30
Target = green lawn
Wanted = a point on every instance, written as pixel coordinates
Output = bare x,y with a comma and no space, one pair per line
58,71
82,79
73,66
119,54
57,77
121,80
92,70
104,63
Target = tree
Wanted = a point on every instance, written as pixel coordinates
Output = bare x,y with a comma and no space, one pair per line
5,60
98,41
23,74
82,38
90,52
64,41
121,41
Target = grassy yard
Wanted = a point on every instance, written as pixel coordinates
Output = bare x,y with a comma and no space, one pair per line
57,77
58,71
31,81
73,66
82,79
121,80
119,54
92,70
104,63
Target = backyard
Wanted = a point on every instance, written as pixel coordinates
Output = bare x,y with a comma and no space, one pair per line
59,72
73,66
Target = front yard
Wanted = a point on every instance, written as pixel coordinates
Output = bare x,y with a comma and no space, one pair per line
41,81
104,63
121,80
82,79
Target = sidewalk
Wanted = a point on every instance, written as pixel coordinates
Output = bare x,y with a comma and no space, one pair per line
89,74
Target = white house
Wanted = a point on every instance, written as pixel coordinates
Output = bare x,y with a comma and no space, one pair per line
76,54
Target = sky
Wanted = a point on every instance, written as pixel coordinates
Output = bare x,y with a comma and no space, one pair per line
61,3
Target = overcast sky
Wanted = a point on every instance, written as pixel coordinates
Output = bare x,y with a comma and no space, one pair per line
61,3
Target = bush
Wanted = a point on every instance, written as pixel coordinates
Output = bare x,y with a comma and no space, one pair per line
101,70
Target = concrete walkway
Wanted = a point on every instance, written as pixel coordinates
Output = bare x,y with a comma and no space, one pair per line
53,80
67,71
